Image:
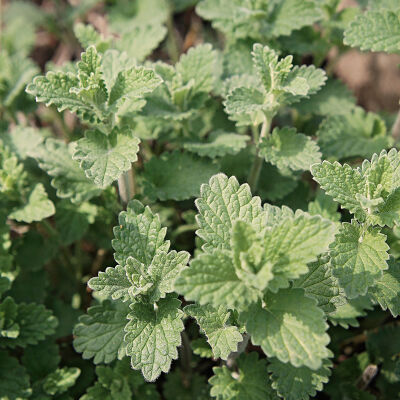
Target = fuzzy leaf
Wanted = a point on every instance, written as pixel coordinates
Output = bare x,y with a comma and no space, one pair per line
55,157
198,65
211,279
14,380
356,133
320,284
35,323
386,289
376,31
342,183
244,100
55,88
152,336
324,206
289,150
100,333
139,41
177,176
37,206
112,283
293,243
60,380
346,314
222,202
291,327
222,337
293,383
104,158
218,144
139,235
333,99
252,383
133,83
359,255
290,15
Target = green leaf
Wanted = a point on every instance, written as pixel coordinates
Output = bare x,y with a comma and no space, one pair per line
201,348
41,360
293,243
139,41
60,380
290,15
359,255
293,383
222,202
36,207
176,176
23,140
324,206
386,289
112,283
55,88
152,336
152,280
290,327
356,133
55,157
91,87
35,323
343,183
245,100
133,83
198,65
218,144
88,36
252,382
375,31
120,382
346,314
251,261
105,157
271,72
159,278
100,333
320,284
14,381
289,150
72,222
222,337
333,99
273,185
211,279
139,235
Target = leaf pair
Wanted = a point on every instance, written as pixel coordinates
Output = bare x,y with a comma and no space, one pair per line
280,84
250,254
147,325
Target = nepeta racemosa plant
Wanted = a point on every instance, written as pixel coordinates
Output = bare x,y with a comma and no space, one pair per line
254,253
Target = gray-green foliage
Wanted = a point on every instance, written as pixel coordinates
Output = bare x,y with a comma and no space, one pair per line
227,255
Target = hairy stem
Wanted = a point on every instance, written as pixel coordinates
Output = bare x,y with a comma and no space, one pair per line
396,128
258,161
186,359
126,186
230,362
173,47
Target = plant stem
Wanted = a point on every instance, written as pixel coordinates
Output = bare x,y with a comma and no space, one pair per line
230,362
126,186
186,359
172,39
396,128
258,161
